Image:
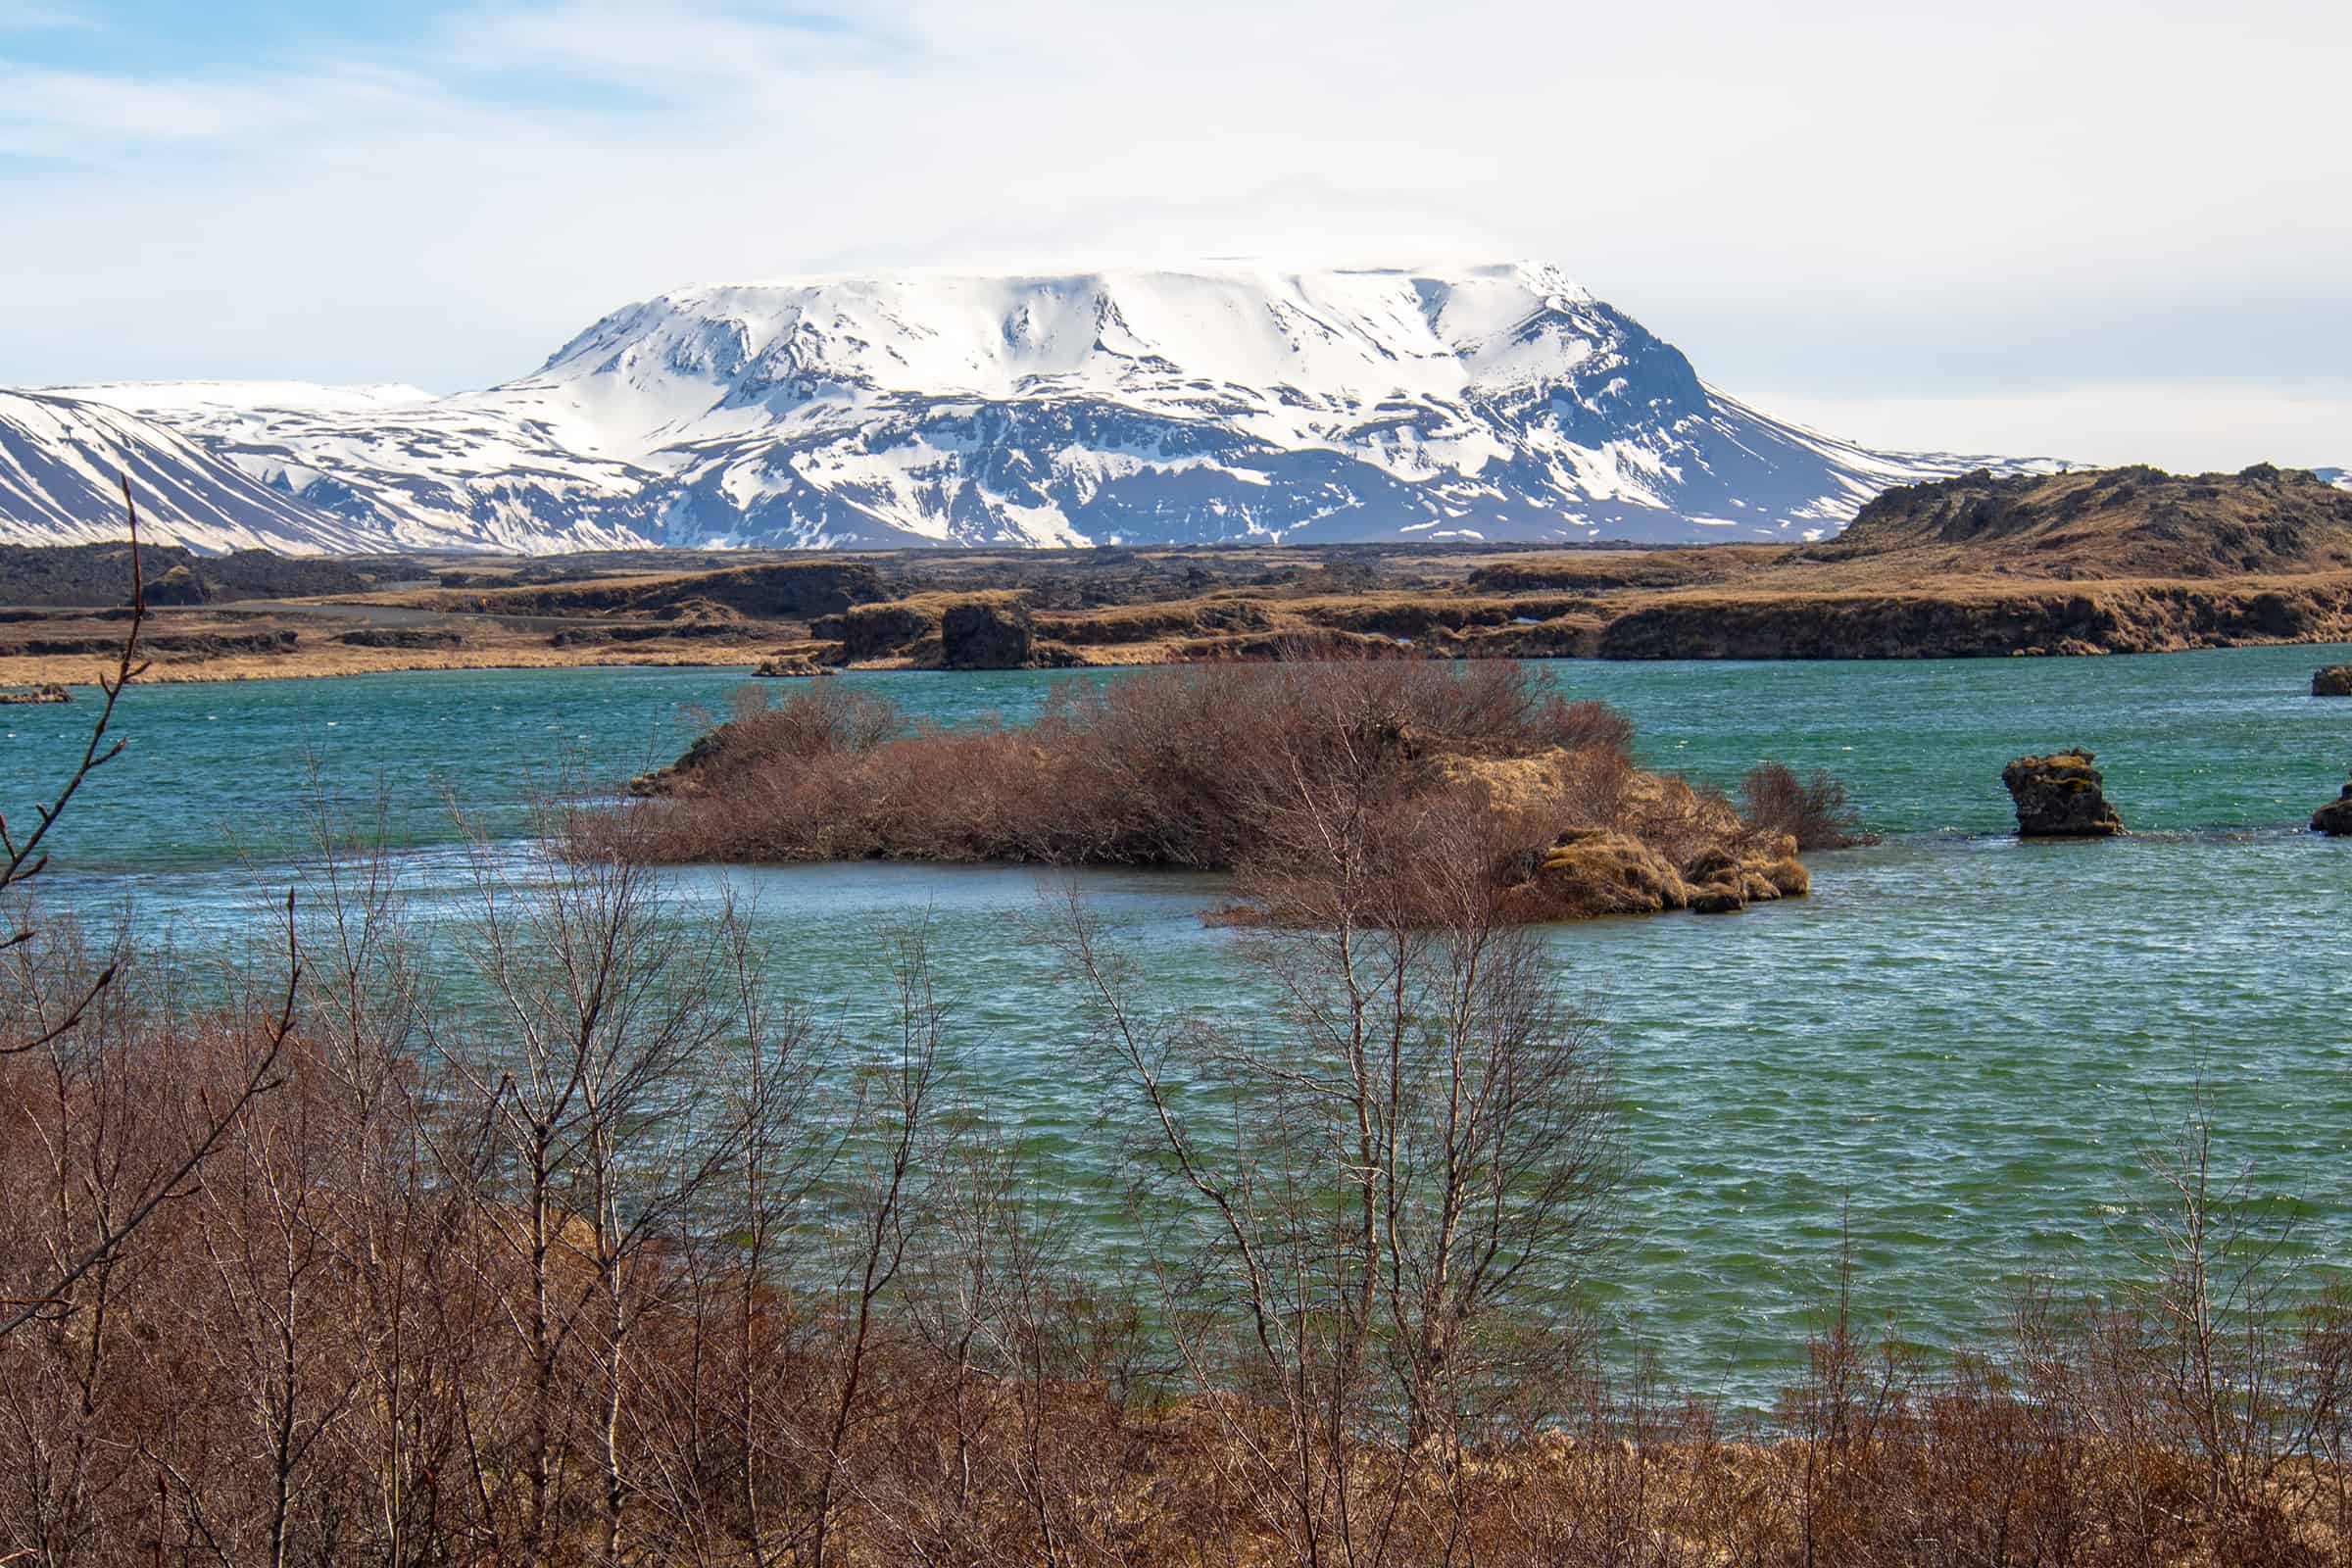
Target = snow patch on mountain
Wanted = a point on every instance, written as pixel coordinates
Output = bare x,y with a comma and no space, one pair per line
62,461
1233,402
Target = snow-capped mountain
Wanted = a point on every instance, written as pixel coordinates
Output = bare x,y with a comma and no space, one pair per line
61,466
409,470
1223,403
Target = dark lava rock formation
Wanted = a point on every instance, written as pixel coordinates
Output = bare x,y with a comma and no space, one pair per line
2335,818
987,633
2333,681
789,666
2060,796
180,585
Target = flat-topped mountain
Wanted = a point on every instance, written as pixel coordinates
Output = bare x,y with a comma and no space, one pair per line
1221,403
2116,523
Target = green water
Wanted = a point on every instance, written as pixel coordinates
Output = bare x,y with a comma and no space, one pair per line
1961,1043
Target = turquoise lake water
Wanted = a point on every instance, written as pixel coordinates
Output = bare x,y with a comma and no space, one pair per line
1962,1044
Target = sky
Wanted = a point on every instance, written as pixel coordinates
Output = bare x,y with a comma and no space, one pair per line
2107,232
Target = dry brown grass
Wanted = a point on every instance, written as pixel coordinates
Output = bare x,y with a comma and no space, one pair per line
1173,767
307,665
1914,598
193,645
326,1355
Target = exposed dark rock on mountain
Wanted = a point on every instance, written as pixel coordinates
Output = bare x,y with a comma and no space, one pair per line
1220,401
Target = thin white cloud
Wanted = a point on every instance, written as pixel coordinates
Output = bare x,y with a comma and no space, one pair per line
41,16
105,112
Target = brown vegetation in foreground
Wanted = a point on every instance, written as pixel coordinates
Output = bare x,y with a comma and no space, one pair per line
1208,769
630,1262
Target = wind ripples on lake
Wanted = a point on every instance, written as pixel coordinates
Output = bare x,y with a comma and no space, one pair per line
1951,1058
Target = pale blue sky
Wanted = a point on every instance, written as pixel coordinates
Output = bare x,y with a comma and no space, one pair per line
2089,228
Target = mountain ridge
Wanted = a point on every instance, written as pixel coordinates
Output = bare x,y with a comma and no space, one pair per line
1231,402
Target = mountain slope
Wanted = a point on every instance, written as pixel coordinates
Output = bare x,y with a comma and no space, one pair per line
61,460
1223,403
414,471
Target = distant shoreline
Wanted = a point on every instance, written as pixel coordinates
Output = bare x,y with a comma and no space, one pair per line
331,663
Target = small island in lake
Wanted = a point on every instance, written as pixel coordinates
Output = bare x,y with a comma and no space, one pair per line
1243,768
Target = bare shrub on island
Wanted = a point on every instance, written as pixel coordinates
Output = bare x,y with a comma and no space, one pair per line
1161,768
1813,811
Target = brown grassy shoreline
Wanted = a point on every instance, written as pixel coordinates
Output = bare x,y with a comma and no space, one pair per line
2119,561
15,672
1973,620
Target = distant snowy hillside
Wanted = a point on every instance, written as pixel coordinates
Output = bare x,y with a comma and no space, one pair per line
61,461
1228,403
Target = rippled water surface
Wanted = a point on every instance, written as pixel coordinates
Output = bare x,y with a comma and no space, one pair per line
1960,1044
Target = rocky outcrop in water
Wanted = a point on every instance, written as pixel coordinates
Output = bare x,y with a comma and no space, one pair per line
2335,818
878,630
2333,681
789,666
50,693
2060,796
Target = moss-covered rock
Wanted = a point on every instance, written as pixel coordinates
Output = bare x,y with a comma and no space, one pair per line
1595,871
2060,796
1589,871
